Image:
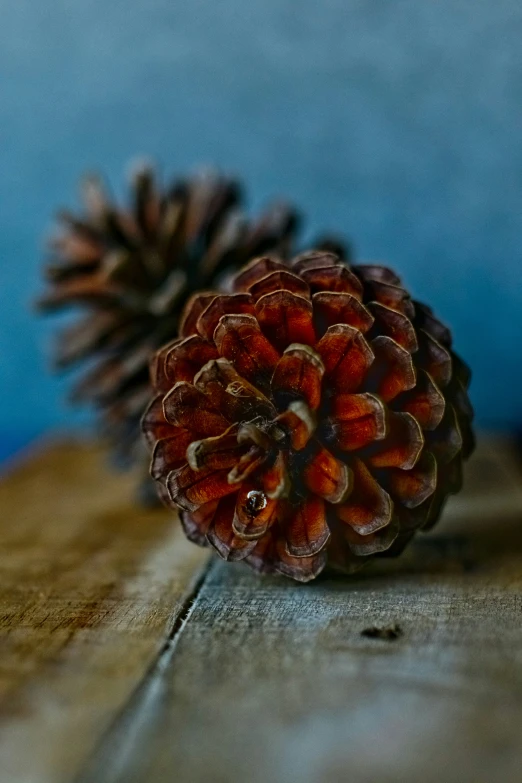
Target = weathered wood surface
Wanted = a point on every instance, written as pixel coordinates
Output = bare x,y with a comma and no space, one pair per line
261,680
90,590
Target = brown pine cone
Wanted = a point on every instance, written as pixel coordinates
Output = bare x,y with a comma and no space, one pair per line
132,268
315,415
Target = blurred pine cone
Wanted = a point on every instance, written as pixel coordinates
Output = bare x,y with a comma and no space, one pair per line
132,268
316,414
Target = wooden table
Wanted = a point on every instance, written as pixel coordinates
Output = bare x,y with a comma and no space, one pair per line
128,655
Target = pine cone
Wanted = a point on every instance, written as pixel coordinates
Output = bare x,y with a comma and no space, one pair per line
132,268
316,414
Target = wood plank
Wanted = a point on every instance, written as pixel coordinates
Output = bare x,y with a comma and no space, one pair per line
273,681
90,589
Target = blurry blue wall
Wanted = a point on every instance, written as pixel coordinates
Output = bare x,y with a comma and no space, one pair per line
398,122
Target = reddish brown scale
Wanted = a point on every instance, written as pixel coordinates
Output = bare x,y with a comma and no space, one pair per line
317,415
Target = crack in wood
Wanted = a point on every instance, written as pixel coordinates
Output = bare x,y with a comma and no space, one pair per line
110,755
130,658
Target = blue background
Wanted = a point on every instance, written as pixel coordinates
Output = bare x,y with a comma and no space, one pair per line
398,123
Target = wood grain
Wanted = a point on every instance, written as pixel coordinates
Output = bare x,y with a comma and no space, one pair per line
90,590
125,658
273,681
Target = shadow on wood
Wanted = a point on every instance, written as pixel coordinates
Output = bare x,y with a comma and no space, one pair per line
118,649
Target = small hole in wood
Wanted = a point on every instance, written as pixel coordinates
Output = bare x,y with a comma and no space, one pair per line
388,633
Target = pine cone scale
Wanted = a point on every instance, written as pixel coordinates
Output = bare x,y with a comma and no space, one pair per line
325,429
